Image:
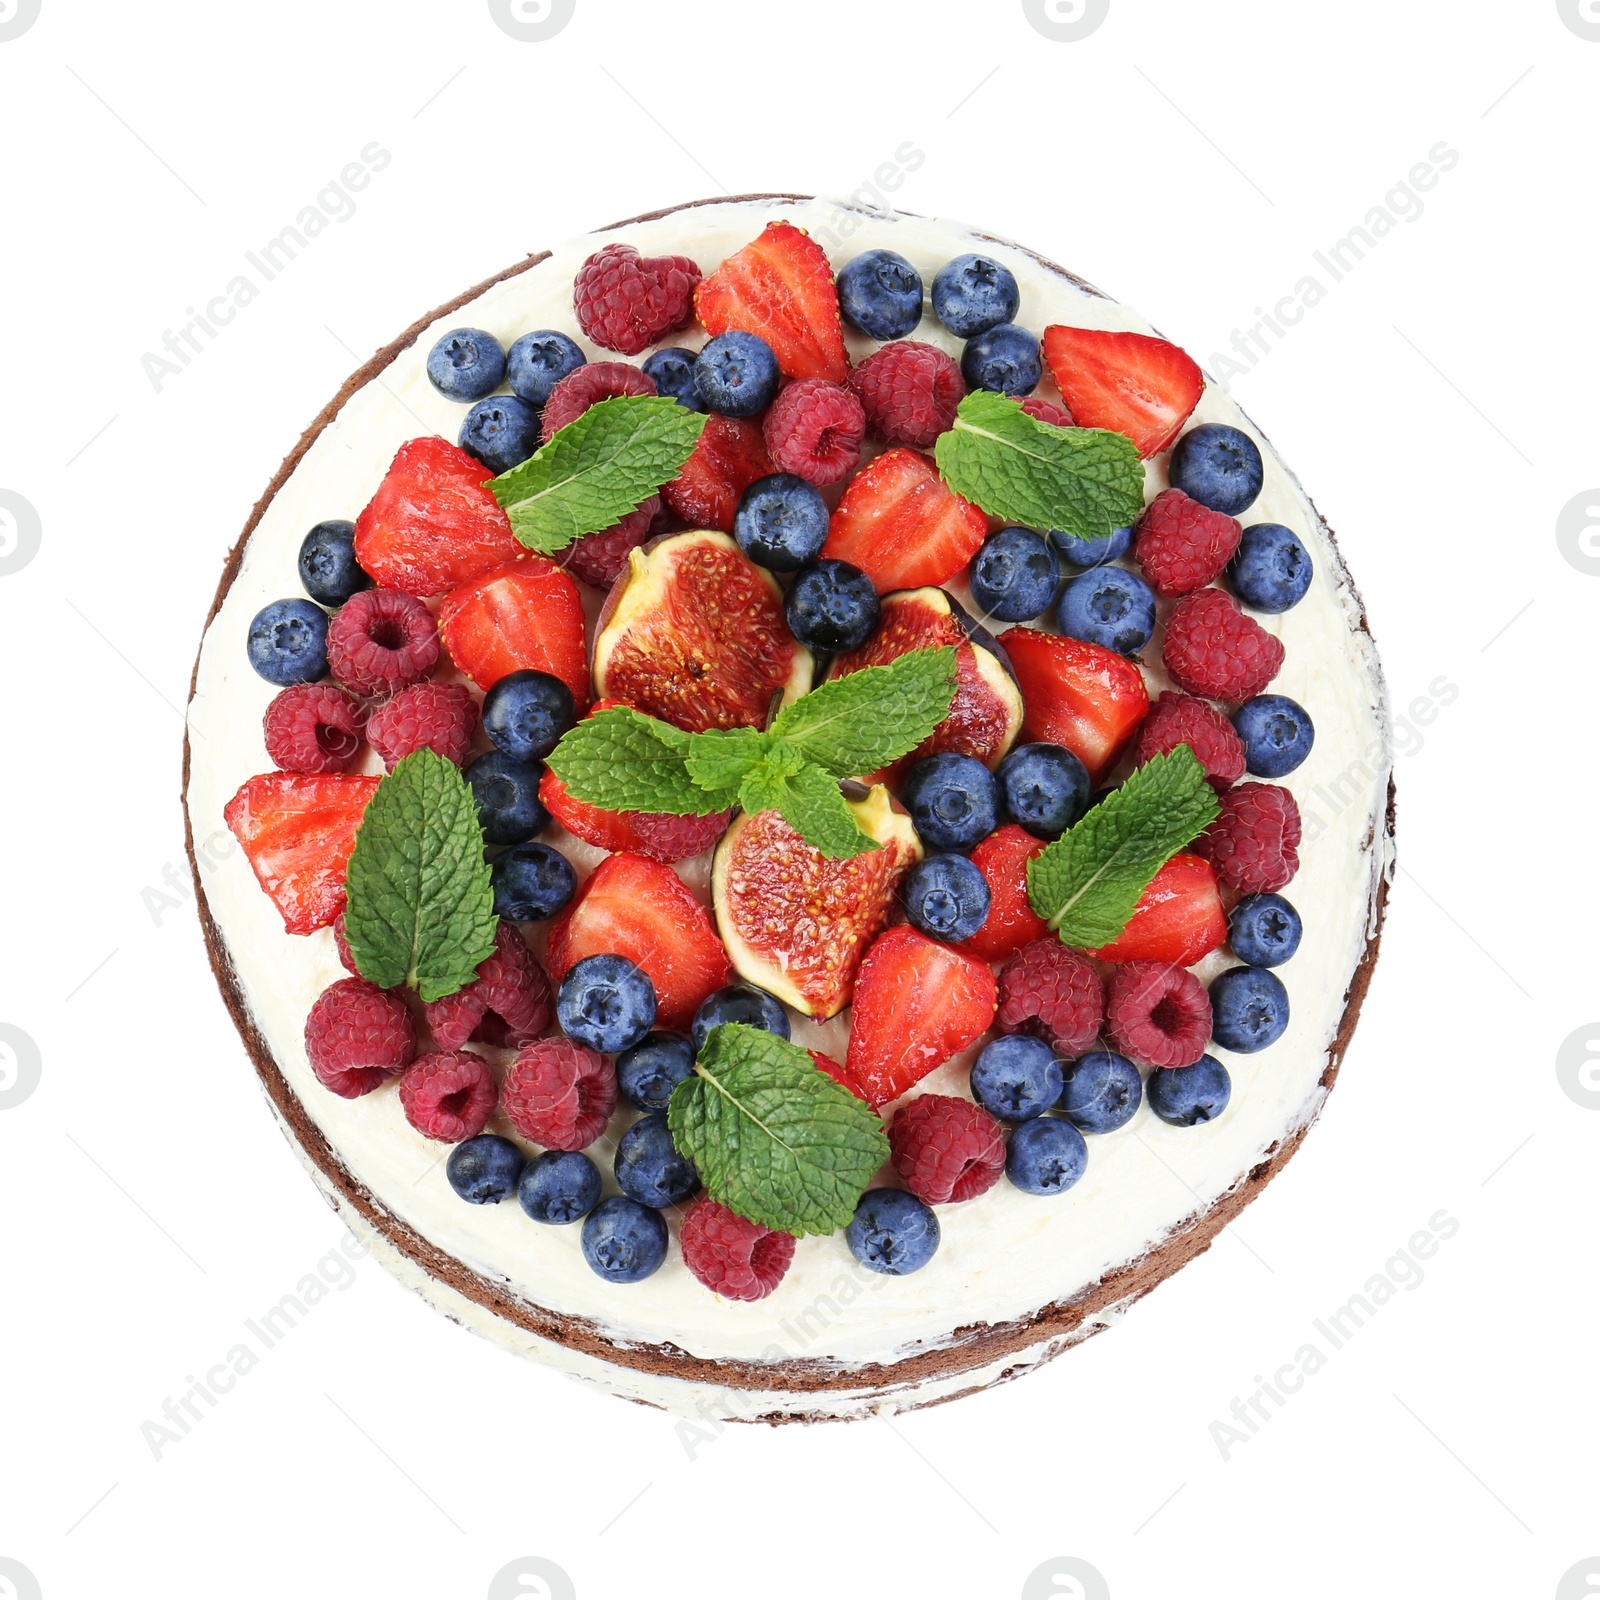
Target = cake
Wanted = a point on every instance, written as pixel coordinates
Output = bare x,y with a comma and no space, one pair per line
1017,1277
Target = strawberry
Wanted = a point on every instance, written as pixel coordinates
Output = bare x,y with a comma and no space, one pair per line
298,830
781,287
836,1072
729,456
902,525
605,830
641,909
917,1003
1178,919
1003,860
525,615
1128,382
1090,699
432,524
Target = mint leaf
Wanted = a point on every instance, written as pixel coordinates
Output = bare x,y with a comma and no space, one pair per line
625,761
721,758
1087,883
1083,482
812,805
597,469
858,723
775,1138
419,908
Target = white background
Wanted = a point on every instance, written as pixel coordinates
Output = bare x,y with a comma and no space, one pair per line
1439,404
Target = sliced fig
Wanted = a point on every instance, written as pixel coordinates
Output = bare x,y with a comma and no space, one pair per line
693,633
985,715
797,922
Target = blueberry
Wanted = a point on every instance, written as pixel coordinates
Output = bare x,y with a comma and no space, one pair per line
1093,552
1016,1077
537,362
736,374
781,522
624,1241
648,1166
507,793
946,897
831,606
328,566
1004,358
1101,1091
525,713
1277,734
892,1232
1044,787
1217,465
649,1072
531,882
1271,569
973,293
953,801
466,364
288,642
606,1002
1110,607
739,1002
880,294
672,372
1249,1009
1184,1096
1045,1156
559,1186
501,432
1264,930
1015,575
484,1171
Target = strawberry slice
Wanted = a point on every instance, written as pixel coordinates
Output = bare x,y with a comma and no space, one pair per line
1003,860
781,287
1127,382
1178,919
903,525
641,909
432,524
1074,693
605,830
917,1003
297,830
525,615
730,454
836,1072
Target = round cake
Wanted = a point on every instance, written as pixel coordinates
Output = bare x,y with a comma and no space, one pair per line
1244,664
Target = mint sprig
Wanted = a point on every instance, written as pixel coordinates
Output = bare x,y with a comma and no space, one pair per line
1082,482
419,908
773,1137
593,472
1087,883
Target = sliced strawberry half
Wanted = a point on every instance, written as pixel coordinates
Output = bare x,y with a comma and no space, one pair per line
1090,699
528,615
836,1072
1003,860
1128,382
297,831
903,525
730,454
781,287
1179,918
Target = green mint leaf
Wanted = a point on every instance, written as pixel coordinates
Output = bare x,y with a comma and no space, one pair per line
858,723
722,758
1083,482
625,761
1087,883
775,1138
419,908
597,469
812,805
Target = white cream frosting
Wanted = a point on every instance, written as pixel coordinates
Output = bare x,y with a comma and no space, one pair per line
1003,1256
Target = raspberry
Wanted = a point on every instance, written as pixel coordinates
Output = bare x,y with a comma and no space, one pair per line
510,990
909,392
1181,719
600,558
1157,1014
559,1094
1254,843
738,1259
357,1035
313,727
814,430
946,1148
664,837
381,640
449,1095
589,384
1181,544
1053,993
1045,411
442,716
1213,648
342,944
626,301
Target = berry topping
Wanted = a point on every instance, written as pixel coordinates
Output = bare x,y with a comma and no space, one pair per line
739,1002
1016,1077
1015,575
599,559
484,1171
880,294
814,430
892,1232
909,393
1219,466
1004,359
1127,382
1212,648
830,606
1178,918
672,372
1182,719
1003,860
508,1003
537,362
624,1241
730,455
1100,1092
1110,607
626,302
507,794
441,717
525,713
1157,1014
1271,569
648,1167
1044,788
527,616
559,1187
1181,545
1045,1156
466,364
1093,552
649,1072
736,374
974,293
382,640
781,522
953,801
531,882
1052,993
313,727
1277,734
1042,410
1254,843
559,1094
737,1259
357,1036
1264,930
664,837
1185,1096
946,1149
501,432
328,566
287,642
588,385
449,1095
1249,1009
946,897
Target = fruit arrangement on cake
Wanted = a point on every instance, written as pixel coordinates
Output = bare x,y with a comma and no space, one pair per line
816,829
